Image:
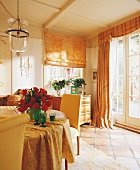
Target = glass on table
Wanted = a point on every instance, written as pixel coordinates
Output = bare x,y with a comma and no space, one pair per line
52,117
36,118
42,119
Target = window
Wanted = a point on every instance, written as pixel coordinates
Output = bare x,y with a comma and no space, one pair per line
52,73
125,77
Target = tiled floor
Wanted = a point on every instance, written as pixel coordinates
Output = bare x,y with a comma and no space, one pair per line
121,144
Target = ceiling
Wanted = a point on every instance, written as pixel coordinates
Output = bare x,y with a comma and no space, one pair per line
82,17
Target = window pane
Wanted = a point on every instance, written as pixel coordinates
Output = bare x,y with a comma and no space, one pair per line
134,89
134,65
134,109
120,104
114,104
120,85
134,44
120,56
134,75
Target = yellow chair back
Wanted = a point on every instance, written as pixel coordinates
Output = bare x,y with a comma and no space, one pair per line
12,141
70,105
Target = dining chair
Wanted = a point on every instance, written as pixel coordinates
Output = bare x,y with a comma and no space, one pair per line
11,141
70,105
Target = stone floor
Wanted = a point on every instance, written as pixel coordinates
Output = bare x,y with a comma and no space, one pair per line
121,144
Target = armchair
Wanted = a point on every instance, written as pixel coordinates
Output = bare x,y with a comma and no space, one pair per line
12,140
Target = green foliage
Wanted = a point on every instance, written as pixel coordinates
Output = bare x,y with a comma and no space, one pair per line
78,82
58,85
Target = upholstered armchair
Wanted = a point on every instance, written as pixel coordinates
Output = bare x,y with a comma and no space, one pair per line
12,140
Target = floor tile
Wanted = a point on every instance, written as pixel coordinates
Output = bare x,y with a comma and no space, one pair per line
129,162
102,141
106,149
134,143
122,151
119,142
136,152
102,135
87,134
88,140
117,136
138,162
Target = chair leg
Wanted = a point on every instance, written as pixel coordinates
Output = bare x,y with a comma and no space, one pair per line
78,145
66,164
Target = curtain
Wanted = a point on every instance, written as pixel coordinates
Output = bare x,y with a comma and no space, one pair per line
102,115
64,50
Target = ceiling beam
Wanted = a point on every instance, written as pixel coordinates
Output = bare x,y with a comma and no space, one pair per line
57,16
50,7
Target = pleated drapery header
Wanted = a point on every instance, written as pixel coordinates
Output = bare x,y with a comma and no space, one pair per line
119,30
64,50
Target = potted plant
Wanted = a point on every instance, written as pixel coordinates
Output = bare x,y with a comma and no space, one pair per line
77,85
58,85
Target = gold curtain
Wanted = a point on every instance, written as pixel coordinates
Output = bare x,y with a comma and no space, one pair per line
102,116
64,50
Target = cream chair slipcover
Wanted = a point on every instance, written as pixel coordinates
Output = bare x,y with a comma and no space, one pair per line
12,140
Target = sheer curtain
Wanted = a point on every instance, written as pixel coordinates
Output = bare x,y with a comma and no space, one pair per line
102,116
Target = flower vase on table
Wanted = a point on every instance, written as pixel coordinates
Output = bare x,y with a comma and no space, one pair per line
30,112
34,102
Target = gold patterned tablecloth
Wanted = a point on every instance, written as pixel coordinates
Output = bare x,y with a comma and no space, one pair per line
44,148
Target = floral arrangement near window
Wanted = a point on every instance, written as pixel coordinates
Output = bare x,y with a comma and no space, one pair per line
35,98
78,82
58,84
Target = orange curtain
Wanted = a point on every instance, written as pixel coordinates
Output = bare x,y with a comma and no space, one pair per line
64,50
102,116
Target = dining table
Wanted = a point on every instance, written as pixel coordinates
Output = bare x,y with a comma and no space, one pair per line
45,147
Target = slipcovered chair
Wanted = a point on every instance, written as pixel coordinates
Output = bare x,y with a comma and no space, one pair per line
11,141
70,105
8,110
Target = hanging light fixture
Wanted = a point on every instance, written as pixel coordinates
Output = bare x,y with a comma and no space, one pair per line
18,36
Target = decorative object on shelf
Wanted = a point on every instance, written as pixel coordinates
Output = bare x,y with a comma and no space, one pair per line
35,99
74,90
78,84
58,85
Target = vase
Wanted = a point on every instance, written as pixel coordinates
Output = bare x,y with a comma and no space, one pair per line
30,112
57,92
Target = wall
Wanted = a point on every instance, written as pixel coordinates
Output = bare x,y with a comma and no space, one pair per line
32,74
5,67
92,59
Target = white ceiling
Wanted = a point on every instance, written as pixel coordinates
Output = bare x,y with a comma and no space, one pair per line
82,17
